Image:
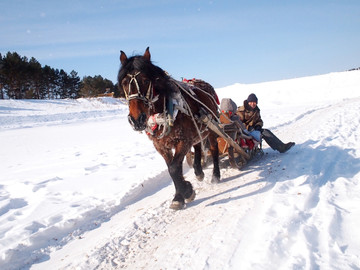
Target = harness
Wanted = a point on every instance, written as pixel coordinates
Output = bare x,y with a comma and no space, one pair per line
158,120
148,98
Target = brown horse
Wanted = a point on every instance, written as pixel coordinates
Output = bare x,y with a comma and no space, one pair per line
170,112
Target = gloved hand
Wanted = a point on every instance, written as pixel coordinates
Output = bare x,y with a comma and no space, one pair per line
258,128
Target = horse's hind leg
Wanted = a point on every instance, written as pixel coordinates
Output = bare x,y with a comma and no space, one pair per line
215,156
197,162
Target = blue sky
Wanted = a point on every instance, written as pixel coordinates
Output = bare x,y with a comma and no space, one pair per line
221,41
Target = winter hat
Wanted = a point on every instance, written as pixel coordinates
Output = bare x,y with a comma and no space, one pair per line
252,98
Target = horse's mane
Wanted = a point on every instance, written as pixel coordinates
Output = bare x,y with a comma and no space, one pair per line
158,76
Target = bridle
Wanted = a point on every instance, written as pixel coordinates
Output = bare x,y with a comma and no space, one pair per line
148,98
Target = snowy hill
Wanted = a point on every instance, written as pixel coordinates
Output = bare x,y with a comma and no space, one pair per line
79,189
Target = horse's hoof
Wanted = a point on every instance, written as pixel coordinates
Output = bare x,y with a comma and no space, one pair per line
176,205
191,198
215,179
200,177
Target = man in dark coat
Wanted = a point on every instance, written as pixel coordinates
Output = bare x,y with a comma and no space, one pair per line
249,114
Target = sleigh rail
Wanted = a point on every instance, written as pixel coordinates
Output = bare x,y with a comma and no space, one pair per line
230,134
219,130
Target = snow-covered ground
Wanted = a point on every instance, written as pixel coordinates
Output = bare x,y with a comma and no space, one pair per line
79,189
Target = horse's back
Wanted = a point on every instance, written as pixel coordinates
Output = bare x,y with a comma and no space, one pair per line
205,86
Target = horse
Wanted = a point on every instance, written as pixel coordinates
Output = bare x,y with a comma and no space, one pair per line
170,113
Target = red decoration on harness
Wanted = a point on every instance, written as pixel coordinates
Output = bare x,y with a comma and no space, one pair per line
153,124
156,125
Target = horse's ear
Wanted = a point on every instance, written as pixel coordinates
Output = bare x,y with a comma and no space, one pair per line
147,54
123,58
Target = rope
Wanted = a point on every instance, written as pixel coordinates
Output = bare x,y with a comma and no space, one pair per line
196,126
190,112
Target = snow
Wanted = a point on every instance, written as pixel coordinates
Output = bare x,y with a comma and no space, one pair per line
79,189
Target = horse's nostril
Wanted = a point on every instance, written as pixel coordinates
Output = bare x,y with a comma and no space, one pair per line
142,118
140,123
131,120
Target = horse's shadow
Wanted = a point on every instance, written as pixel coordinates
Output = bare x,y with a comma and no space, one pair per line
318,165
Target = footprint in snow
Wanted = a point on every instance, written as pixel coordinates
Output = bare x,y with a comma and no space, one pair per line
95,168
13,204
43,184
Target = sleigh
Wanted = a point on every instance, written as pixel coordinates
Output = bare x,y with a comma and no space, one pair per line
234,141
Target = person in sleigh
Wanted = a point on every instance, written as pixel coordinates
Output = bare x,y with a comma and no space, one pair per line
246,139
249,114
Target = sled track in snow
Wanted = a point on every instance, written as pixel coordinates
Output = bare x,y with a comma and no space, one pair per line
279,203
154,228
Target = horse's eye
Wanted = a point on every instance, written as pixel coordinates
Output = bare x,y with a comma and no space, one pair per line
146,81
124,82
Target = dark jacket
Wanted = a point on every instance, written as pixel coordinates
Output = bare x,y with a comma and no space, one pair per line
249,116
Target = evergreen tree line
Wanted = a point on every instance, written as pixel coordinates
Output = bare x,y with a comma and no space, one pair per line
23,78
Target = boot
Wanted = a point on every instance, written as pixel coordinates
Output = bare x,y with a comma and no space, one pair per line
275,143
286,147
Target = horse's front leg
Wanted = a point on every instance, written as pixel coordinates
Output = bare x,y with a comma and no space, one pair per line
184,191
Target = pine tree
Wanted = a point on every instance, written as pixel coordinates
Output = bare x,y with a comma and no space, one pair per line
23,78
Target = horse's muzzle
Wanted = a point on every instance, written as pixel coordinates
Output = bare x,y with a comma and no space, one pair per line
138,124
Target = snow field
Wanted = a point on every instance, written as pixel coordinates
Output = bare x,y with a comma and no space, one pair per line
81,190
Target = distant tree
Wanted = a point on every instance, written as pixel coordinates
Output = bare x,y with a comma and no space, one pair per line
109,86
117,92
34,86
57,81
93,86
13,71
49,82
67,86
74,84
23,78
64,84
2,93
87,88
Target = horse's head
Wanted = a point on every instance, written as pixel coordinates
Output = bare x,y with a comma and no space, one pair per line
137,78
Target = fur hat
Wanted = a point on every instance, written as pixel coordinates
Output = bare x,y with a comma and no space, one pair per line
252,98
